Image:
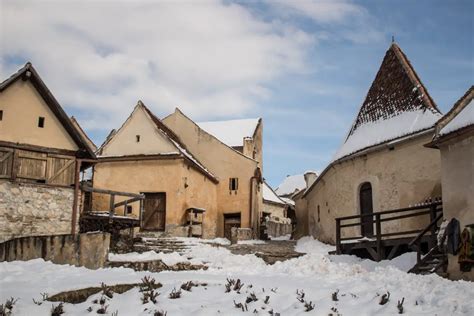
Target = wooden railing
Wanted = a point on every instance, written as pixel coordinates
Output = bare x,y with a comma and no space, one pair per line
432,209
133,197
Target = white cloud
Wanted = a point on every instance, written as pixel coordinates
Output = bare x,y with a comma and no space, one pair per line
205,57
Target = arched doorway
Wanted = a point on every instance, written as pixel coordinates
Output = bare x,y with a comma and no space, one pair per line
366,207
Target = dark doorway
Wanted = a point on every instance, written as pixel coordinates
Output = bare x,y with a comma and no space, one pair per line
230,220
154,211
366,207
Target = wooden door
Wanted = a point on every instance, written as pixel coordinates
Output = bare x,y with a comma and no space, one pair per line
154,211
366,207
230,220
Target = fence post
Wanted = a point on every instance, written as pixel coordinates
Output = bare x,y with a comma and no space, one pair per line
111,206
338,236
378,229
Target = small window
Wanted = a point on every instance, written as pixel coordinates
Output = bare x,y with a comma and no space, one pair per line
129,209
41,122
233,184
319,215
1,115
137,138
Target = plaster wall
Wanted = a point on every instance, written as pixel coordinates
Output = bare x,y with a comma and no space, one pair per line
22,105
184,187
138,125
407,174
457,176
225,163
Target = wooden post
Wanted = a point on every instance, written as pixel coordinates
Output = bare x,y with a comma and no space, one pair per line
433,239
338,236
111,207
125,208
141,213
77,172
378,229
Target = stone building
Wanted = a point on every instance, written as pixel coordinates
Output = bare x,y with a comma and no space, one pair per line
273,205
239,191
455,140
383,163
179,166
144,156
41,155
291,191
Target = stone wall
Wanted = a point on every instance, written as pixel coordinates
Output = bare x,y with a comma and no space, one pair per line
89,250
238,234
32,210
277,229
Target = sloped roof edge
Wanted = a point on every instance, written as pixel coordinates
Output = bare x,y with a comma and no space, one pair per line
28,72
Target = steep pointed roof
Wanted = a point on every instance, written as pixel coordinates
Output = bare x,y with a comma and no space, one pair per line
28,72
397,104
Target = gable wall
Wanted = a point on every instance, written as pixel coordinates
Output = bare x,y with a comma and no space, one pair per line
22,105
407,175
168,176
223,162
151,141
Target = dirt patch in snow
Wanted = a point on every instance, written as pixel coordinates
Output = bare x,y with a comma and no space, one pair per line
270,251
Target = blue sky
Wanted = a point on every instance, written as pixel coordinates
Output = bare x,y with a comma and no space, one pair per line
304,66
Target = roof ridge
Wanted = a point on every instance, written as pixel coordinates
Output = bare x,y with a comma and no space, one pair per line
177,141
413,75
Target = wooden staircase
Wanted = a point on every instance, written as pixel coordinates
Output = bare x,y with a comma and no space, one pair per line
436,259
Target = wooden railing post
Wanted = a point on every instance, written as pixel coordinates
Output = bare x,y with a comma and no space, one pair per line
433,239
111,206
338,236
378,231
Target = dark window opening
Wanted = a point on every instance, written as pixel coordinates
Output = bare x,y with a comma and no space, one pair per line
233,184
138,138
41,122
366,208
1,115
319,215
129,209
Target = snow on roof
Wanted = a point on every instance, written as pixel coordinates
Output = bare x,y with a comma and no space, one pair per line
233,132
374,133
270,195
288,201
291,184
397,104
464,118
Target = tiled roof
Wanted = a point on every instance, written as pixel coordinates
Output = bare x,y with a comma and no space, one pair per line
396,89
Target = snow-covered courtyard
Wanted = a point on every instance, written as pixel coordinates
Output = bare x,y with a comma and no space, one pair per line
320,283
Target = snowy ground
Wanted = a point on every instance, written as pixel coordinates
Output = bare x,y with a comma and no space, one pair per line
360,284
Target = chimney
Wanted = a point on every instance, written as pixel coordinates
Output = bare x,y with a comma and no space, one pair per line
309,178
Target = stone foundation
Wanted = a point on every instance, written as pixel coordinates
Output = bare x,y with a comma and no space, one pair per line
89,250
33,210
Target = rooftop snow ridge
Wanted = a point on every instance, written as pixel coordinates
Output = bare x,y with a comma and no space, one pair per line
231,132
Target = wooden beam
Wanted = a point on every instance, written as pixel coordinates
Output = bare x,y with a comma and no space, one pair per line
40,149
77,172
96,190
